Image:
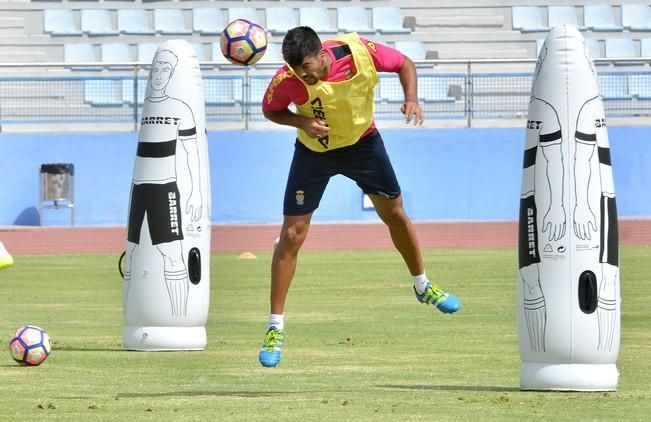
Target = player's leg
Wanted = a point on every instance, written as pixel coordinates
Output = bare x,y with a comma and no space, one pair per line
176,276
403,235
535,309
368,164
308,177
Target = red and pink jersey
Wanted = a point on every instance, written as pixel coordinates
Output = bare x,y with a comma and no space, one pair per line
291,90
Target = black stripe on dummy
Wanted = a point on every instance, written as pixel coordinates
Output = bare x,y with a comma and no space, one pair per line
156,149
586,137
529,157
609,238
604,155
188,132
549,137
528,233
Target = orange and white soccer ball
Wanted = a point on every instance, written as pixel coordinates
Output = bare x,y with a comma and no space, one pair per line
30,345
243,42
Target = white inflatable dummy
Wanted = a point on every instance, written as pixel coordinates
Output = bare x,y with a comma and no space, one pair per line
167,266
568,290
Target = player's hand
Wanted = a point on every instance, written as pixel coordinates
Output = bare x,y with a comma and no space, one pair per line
412,110
317,128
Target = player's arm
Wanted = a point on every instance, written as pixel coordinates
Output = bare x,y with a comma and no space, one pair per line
315,128
409,81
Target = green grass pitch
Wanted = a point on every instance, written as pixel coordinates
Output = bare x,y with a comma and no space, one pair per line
358,348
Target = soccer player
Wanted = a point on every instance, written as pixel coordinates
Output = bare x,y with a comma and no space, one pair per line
331,85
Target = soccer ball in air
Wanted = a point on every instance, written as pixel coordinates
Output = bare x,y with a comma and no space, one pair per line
30,345
243,42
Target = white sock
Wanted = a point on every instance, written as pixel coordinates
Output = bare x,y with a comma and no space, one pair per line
277,321
420,283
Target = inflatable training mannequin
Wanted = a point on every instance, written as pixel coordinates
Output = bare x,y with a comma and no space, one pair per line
167,266
568,289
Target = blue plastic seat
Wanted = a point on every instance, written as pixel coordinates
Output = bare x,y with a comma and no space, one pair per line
621,47
594,47
134,21
600,18
97,22
208,21
316,18
636,17
639,85
60,22
281,19
248,13
217,55
102,92
415,50
563,15
527,19
354,19
388,20
612,86
79,52
147,51
170,21
273,54
645,47
116,52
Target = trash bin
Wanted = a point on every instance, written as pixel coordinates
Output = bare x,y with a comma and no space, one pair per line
56,188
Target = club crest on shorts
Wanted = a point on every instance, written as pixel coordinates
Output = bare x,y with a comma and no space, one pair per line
300,197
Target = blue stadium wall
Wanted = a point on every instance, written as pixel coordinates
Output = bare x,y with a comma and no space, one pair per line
445,174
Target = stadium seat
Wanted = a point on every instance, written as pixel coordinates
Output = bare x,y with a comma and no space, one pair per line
116,52
147,51
645,47
60,22
636,17
216,51
639,85
134,21
539,44
102,92
621,48
612,86
79,52
600,18
354,19
527,19
280,20
248,13
97,22
562,15
208,21
388,20
316,18
415,50
170,21
199,50
594,47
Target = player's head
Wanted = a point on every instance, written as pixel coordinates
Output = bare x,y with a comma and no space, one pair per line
162,69
302,50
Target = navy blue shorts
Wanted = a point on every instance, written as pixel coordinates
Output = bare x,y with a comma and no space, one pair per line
366,162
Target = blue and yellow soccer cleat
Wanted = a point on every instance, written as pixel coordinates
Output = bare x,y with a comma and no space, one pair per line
433,295
270,354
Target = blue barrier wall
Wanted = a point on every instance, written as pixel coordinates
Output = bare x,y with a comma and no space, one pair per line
445,174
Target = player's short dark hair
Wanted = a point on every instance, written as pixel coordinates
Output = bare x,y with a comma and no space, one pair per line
299,43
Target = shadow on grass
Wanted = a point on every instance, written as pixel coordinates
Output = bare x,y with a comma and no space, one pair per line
243,394
86,349
495,388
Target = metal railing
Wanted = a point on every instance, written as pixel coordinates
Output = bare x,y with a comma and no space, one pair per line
38,95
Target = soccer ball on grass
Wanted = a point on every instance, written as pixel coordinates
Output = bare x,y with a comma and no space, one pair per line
243,42
30,345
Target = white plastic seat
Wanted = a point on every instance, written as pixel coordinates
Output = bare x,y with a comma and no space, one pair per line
97,22
527,19
316,18
248,13
563,15
600,18
354,19
281,19
116,52
388,20
170,21
208,21
134,21
60,22
147,51
415,50
636,17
